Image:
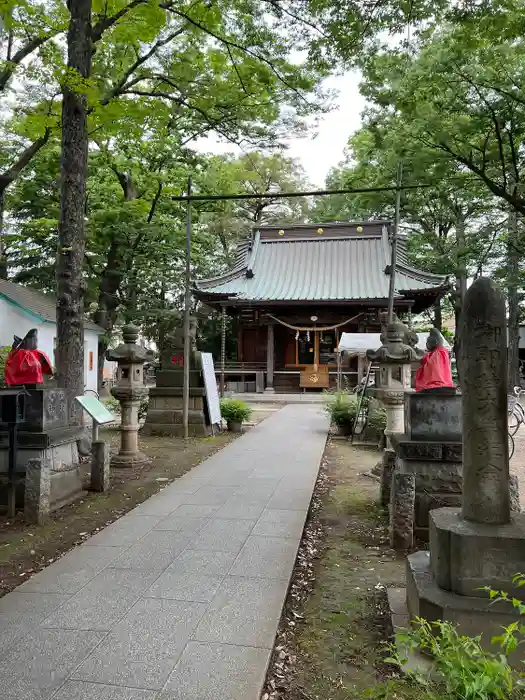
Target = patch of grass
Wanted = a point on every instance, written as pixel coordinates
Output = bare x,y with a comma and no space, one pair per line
339,647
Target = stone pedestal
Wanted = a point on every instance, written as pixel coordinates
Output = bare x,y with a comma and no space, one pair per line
483,544
430,450
165,409
165,413
45,437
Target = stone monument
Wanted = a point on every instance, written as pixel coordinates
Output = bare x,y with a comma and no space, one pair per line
483,544
47,460
395,357
428,465
166,398
129,390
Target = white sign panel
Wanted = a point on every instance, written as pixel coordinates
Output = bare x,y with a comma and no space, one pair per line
210,384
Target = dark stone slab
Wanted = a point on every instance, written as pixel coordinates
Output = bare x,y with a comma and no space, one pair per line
406,448
42,440
431,417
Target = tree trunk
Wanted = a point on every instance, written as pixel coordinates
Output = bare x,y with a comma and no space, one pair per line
513,257
117,265
71,228
438,316
108,301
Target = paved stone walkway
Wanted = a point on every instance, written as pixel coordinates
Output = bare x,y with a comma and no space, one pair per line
179,599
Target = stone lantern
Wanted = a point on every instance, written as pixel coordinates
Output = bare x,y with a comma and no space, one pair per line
395,357
129,391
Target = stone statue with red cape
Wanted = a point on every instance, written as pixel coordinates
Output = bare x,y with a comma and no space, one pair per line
26,364
434,374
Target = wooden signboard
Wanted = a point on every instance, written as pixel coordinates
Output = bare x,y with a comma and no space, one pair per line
313,377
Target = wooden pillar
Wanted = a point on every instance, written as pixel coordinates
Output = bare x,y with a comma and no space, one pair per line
270,359
223,350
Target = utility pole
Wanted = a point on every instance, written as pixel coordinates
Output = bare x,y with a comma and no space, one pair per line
187,303
392,287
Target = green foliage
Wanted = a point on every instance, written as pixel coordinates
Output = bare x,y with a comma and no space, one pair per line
377,419
462,669
113,406
341,407
445,332
4,352
235,411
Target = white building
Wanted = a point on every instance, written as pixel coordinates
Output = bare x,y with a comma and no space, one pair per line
23,308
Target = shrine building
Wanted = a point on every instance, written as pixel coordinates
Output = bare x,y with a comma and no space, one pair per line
294,289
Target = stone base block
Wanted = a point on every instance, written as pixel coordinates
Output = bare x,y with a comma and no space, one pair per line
386,469
37,491
402,502
66,487
438,476
100,466
473,615
467,556
165,415
62,465
130,460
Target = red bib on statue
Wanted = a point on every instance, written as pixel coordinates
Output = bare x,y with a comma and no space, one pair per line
26,367
434,371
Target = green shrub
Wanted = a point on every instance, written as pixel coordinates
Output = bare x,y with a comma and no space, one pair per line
377,419
4,352
235,410
113,405
461,669
341,407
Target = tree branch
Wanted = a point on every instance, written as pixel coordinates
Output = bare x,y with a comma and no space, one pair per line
7,177
122,84
240,47
28,48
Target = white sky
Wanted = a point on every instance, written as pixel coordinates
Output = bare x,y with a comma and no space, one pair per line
318,153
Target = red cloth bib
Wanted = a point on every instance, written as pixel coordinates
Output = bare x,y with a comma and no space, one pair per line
434,370
26,367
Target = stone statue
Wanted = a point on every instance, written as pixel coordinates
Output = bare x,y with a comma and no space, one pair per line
26,364
398,343
435,371
408,337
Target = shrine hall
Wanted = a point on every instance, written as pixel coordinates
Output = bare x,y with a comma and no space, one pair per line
294,289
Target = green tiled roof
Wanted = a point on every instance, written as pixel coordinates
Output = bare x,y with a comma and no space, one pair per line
334,262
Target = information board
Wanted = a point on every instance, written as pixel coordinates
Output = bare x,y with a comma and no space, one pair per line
96,409
210,385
